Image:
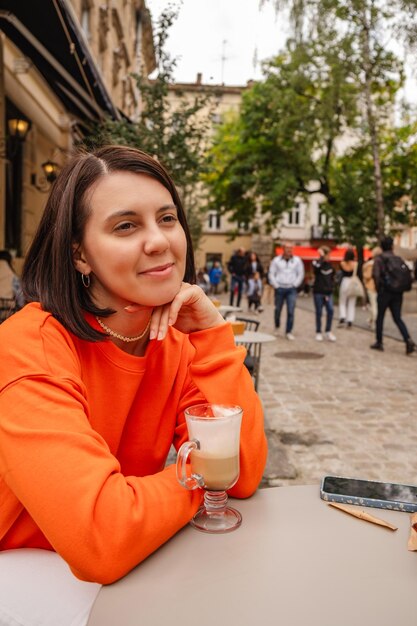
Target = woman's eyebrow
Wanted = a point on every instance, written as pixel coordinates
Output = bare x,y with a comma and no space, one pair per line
131,213
171,205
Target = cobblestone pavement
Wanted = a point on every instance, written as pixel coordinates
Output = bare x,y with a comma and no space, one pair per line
337,408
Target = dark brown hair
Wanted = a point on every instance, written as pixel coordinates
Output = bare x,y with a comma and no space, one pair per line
49,275
349,255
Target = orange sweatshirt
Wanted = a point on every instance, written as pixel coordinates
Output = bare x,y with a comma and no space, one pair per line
85,430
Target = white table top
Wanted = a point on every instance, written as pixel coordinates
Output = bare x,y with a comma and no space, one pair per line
294,561
225,309
254,336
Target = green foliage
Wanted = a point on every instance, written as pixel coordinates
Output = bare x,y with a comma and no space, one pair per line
352,214
366,27
285,135
318,122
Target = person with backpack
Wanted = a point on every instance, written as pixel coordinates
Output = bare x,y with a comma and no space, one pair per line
323,292
392,278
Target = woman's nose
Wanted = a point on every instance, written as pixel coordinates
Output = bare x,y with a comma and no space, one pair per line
156,241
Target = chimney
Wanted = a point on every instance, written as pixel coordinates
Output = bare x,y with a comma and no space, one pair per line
199,78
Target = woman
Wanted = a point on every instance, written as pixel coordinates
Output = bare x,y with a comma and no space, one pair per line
253,265
347,303
97,369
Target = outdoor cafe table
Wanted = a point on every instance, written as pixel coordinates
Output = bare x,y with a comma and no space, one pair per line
257,339
295,561
228,309
254,336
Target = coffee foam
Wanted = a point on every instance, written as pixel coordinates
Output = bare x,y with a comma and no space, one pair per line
216,437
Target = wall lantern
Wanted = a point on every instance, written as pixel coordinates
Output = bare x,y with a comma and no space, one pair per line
50,170
18,128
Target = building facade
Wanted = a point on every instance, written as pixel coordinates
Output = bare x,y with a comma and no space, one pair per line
63,66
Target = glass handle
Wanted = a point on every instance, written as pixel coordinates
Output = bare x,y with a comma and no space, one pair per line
194,480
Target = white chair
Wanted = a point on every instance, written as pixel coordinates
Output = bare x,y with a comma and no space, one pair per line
37,588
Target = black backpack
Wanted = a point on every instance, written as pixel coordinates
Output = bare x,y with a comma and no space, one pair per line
397,275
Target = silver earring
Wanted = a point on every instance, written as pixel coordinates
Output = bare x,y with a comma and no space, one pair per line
86,280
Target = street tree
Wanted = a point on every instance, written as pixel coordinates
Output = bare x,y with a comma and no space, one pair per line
282,143
351,215
370,26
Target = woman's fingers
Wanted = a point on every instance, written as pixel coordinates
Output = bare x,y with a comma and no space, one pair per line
187,295
159,322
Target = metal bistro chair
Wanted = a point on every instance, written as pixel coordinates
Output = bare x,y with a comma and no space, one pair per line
7,308
253,350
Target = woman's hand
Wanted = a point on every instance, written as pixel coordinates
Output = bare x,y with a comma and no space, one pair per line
191,310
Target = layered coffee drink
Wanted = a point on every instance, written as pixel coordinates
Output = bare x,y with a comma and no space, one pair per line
219,472
210,460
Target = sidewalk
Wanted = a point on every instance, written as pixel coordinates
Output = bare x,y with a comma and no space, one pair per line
337,408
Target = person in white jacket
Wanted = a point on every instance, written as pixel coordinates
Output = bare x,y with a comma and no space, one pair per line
286,274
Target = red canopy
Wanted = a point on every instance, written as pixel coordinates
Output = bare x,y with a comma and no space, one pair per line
306,253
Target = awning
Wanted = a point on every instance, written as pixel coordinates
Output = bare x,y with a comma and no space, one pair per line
307,253
47,32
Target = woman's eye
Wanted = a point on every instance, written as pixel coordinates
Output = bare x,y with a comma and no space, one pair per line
125,226
167,219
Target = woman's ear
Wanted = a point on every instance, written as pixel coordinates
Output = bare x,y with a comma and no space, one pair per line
80,262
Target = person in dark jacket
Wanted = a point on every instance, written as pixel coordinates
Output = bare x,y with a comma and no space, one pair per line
388,299
323,292
237,268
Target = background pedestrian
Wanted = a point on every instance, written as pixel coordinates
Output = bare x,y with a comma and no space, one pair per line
286,274
323,292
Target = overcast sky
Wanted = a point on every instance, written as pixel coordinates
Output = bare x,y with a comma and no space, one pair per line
222,39
226,40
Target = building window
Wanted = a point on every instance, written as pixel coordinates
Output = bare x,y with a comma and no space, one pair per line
214,220
322,218
86,18
294,215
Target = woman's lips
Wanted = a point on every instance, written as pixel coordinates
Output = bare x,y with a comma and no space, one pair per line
161,270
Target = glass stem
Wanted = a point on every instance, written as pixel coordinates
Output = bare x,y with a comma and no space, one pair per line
215,501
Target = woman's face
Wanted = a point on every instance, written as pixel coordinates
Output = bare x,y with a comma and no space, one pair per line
133,244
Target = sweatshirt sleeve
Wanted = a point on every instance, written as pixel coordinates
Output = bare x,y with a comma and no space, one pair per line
272,273
101,522
218,373
300,272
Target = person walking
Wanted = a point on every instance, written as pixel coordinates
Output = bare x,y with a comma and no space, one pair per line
286,274
370,286
347,302
323,292
253,265
392,278
237,269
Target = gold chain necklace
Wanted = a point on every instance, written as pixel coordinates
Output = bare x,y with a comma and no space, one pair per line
111,332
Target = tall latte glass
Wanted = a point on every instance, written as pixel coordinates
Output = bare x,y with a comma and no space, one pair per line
211,460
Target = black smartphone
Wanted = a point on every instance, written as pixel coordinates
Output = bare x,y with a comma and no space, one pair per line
369,493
